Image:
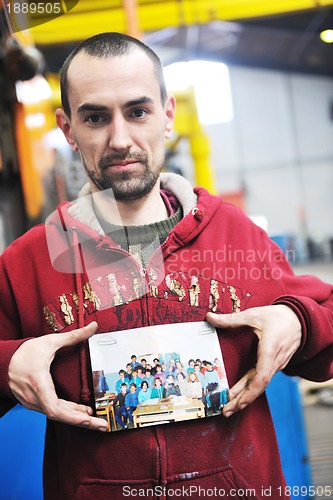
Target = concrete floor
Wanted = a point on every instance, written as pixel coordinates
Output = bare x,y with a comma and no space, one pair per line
318,418
319,427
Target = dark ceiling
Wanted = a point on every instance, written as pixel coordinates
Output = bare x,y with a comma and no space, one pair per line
284,42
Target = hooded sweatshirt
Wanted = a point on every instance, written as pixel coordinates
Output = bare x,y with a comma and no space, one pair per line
68,272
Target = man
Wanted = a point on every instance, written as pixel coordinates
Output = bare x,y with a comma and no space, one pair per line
148,378
200,375
156,362
143,362
212,385
131,401
128,372
121,381
170,387
122,260
135,378
119,404
134,362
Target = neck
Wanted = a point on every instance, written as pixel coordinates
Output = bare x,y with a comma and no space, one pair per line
146,210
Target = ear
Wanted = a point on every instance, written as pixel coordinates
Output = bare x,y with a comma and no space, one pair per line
170,107
64,124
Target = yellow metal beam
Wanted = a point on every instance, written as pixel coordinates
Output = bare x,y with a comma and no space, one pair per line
132,18
89,17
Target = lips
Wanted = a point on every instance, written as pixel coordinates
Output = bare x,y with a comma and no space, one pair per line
122,163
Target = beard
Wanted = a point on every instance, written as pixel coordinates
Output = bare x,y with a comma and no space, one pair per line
125,185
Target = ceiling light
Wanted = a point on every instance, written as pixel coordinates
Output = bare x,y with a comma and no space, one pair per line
327,36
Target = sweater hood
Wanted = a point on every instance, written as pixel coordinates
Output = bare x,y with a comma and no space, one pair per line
75,223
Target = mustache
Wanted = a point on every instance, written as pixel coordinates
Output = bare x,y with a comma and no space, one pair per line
107,160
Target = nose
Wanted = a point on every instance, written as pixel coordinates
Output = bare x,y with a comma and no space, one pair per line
120,137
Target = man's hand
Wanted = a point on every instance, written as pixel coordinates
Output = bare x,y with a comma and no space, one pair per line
279,332
31,383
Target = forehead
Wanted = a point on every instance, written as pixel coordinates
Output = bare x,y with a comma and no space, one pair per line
122,76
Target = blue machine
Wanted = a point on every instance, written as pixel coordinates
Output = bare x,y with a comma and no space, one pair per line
21,454
286,408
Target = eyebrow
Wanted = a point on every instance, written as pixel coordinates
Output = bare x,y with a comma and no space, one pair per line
91,107
100,107
137,102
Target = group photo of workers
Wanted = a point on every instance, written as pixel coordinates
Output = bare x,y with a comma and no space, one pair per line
193,372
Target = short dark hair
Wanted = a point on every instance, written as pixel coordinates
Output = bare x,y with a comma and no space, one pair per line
109,44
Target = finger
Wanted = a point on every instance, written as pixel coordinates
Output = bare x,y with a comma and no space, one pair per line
66,413
81,415
44,400
69,413
74,337
241,385
78,407
236,392
244,392
255,381
232,320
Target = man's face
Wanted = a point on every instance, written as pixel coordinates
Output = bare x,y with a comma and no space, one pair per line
118,122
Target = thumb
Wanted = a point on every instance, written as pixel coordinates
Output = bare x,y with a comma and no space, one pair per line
74,337
232,320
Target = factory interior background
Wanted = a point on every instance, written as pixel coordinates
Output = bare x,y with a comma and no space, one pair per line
254,86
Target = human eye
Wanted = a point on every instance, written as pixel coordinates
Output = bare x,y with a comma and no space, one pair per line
139,113
93,119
